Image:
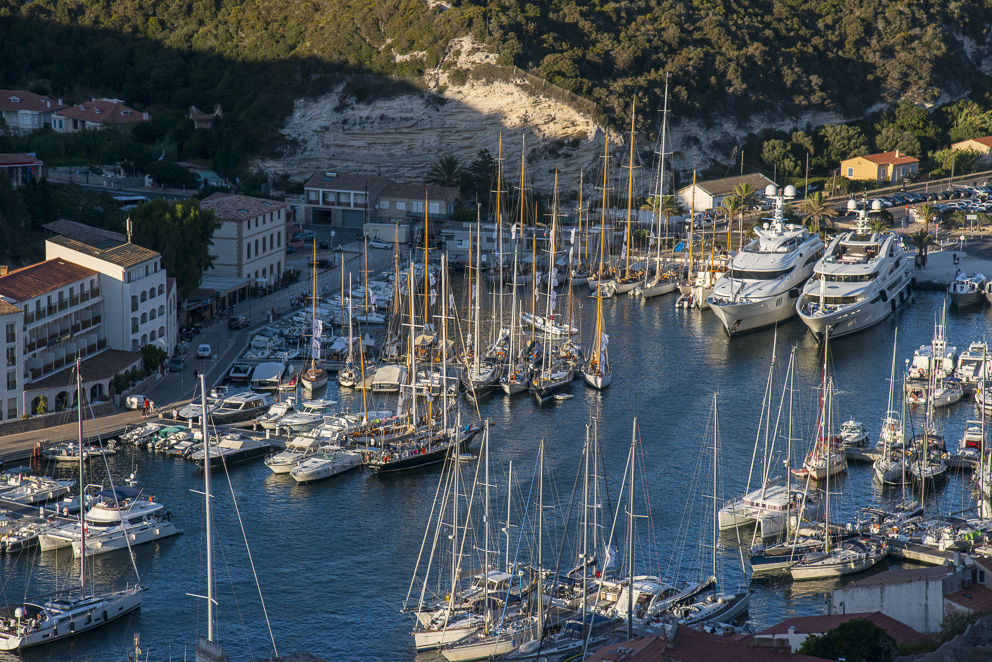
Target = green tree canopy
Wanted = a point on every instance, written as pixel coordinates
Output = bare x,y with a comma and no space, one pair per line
171,174
182,233
857,640
842,141
446,171
892,138
954,161
776,154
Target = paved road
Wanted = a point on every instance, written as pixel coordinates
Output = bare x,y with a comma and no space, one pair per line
178,388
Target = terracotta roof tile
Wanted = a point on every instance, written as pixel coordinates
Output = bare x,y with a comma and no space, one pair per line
902,576
86,234
7,308
976,598
889,158
19,160
688,645
417,192
985,140
37,279
125,255
820,624
345,182
99,111
27,101
228,207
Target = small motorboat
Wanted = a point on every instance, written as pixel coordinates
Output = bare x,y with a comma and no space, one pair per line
563,396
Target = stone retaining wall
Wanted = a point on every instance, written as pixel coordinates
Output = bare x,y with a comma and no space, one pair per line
50,420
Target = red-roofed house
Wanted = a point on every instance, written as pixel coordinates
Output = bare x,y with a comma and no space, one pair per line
251,241
881,167
796,630
95,115
974,599
683,644
343,199
20,167
981,145
24,112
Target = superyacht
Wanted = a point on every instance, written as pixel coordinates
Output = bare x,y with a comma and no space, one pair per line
863,277
766,277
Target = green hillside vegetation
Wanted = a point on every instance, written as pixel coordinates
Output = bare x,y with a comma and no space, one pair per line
728,58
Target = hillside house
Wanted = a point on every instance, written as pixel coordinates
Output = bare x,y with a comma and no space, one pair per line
95,115
882,167
24,112
981,145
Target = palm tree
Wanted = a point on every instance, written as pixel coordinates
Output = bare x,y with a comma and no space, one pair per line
446,172
746,194
817,211
922,240
732,206
925,213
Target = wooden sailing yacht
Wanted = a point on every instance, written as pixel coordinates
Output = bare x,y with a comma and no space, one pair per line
630,277
597,372
314,377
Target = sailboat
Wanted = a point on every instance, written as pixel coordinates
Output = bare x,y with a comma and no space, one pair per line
714,607
770,506
350,375
597,371
314,377
849,556
890,467
30,624
555,374
663,281
827,457
480,374
629,278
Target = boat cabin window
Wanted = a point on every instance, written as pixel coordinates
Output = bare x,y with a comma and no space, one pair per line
845,278
750,274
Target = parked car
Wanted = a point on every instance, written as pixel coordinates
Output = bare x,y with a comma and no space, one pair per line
177,364
237,322
378,243
135,401
203,351
306,236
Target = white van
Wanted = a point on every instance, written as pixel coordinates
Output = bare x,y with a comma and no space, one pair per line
203,351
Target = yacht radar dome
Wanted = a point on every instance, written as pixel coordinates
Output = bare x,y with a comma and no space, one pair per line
852,205
790,191
771,191
876,205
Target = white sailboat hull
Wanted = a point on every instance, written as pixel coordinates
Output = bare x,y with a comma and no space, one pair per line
311,470
135,535
431,639
598,380
74,617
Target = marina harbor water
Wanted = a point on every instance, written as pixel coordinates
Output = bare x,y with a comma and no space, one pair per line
334,558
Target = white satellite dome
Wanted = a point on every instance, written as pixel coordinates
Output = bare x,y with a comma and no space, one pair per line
790,191
876,205
852,205
19,612
771,190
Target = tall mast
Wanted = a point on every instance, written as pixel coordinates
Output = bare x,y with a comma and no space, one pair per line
716,529
82,480
427,288
585,524
602,221
630,191
207,511
540,544
499,230
478,290
413,353
661,173
313,324
692,214
630,535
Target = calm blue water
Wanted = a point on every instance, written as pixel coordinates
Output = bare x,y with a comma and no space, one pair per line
334,559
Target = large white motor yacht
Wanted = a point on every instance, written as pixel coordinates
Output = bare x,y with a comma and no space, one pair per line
119,517
766,277
863,277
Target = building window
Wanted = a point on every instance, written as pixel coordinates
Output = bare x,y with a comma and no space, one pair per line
161,332
418,206
384,204
12,332
249,250
401,206
11,356
435,208
11,380
161,289
263,244
256,247
12,408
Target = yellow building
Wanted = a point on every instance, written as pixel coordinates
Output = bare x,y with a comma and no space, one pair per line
981,145
886,166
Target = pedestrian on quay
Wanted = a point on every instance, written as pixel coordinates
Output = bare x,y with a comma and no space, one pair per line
196,375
